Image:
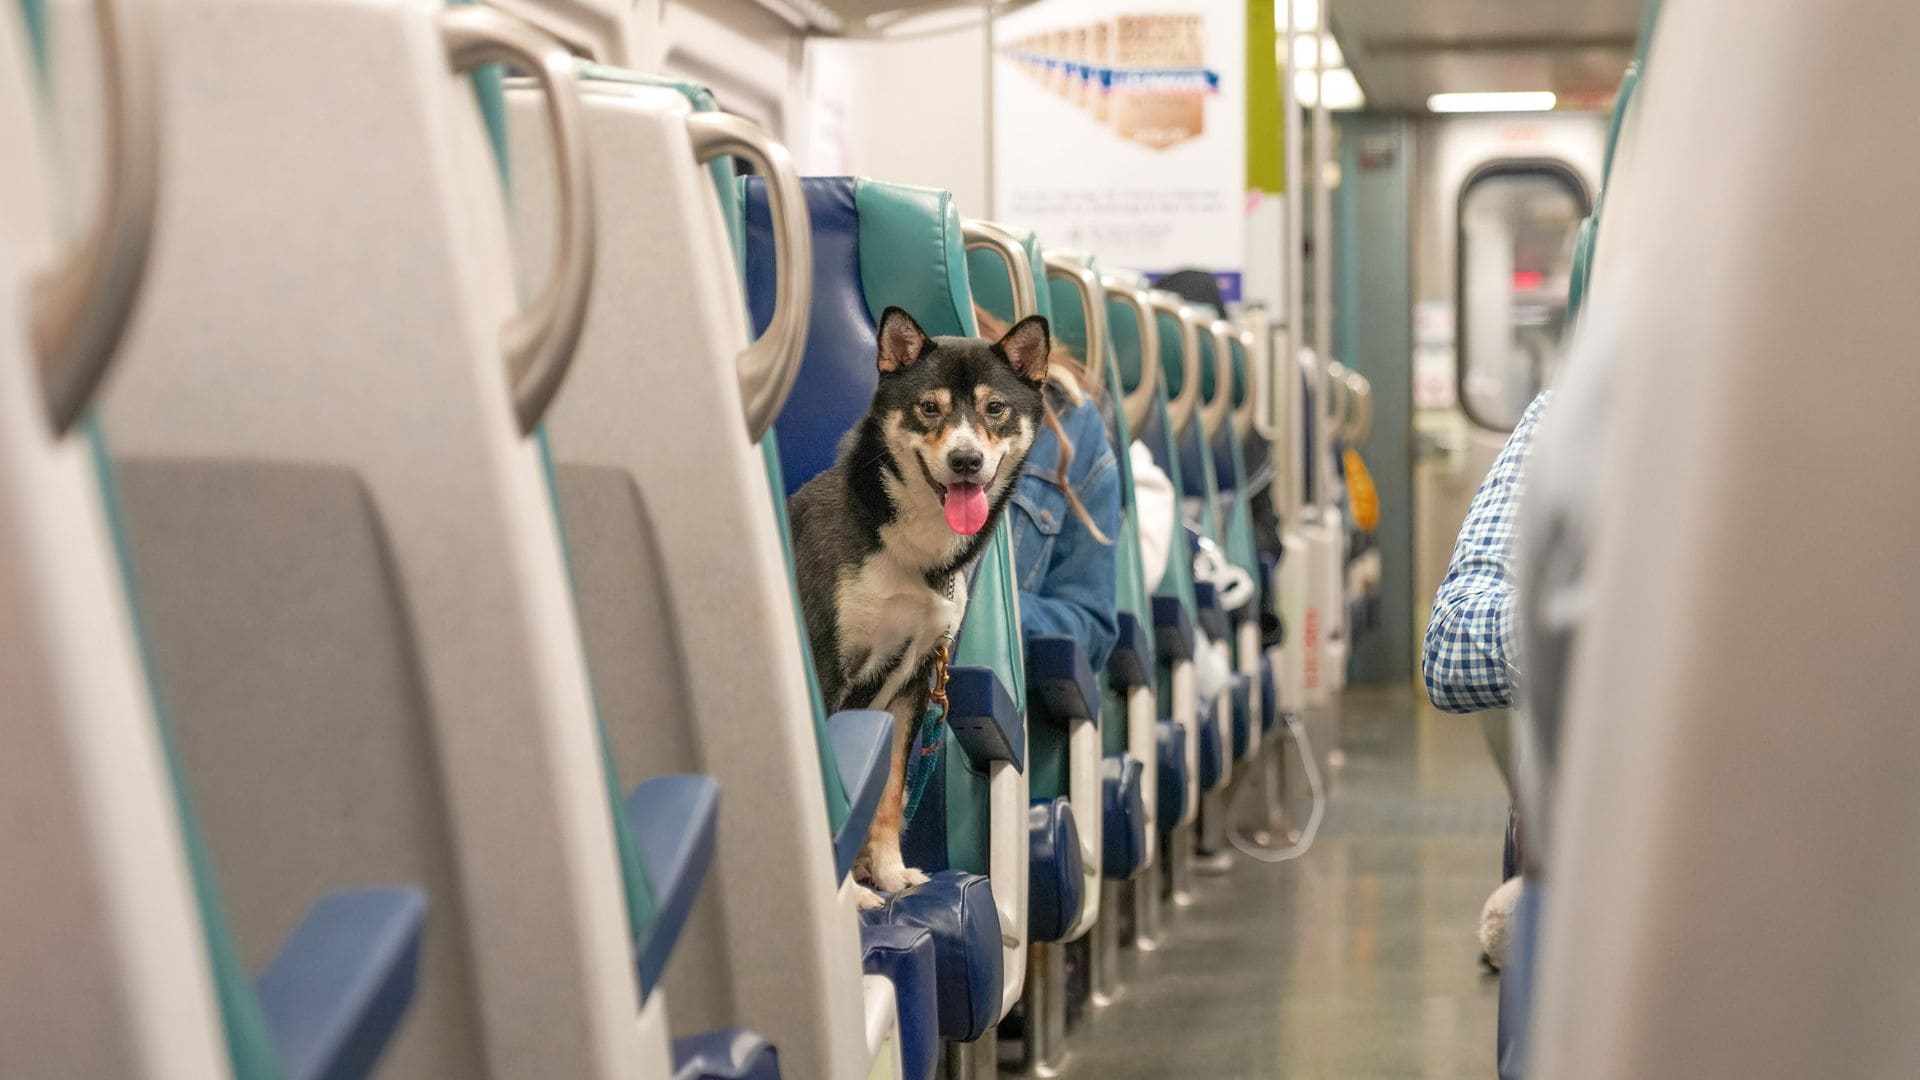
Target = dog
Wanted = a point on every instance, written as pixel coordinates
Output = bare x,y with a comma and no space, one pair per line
884,538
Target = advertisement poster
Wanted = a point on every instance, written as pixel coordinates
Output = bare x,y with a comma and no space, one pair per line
1120,128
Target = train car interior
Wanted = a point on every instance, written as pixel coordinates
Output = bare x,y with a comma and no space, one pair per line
911,539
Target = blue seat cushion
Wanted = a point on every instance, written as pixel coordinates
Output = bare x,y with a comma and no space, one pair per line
1516,984
1241,695
1212,755
732,1054
1056,891
1172,740
837,375
957,909
1131,662
905,955
1123,833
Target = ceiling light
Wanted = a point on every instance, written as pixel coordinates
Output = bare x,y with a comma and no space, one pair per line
1306,16
1343,90
1304,49
1522,101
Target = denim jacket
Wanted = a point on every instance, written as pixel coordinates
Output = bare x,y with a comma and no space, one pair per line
1067,577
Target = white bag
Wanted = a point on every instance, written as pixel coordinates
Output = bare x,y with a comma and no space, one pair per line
1154,510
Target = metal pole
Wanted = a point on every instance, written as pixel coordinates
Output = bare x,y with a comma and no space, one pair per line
1322,257
1286,367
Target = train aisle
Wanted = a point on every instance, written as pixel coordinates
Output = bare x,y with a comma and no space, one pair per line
1358,960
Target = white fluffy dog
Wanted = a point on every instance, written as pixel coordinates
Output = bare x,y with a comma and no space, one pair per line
1495,919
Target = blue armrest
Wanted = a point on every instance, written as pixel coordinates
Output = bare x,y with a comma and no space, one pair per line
863,749
730,1054
1172,628
672,821
337,990
985,724
1213,617
1131,662
1061,681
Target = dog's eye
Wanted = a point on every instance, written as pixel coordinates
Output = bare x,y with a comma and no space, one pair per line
996,409
930,409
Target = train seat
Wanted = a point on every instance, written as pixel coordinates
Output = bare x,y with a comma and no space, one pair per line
1174,439
661,392
1145,319
1006,269
133,966
876,245
1199,488
351,566
1235,514
1133,714
1081,322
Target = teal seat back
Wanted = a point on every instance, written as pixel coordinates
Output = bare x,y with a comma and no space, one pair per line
912,256
1196,457
1242,551
1130,581
989,638
993,290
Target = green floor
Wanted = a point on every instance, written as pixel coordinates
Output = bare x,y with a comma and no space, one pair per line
1355,962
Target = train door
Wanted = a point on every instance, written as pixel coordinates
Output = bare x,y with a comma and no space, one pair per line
1497,202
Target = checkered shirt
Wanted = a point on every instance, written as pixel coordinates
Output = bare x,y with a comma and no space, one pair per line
1468,654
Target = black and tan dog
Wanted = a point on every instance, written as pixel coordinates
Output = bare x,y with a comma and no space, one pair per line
884,539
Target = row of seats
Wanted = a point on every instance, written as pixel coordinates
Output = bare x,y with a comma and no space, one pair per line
392,529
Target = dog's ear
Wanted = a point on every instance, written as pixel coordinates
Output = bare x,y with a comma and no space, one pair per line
901,340
1026,347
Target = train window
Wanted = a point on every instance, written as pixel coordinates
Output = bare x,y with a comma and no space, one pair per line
1517,221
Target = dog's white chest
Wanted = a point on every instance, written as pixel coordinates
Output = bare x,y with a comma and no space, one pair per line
887,611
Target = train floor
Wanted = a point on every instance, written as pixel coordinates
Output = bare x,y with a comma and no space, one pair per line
1356,962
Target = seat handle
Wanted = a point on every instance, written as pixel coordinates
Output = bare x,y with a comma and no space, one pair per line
1093,303
1139,401
767,367
1213,411
1264,415
1361,391
986,236
1180,409
538,341
81,306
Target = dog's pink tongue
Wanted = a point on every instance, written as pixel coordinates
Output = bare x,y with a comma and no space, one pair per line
966,507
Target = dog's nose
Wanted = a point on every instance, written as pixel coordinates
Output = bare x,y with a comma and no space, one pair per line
966,462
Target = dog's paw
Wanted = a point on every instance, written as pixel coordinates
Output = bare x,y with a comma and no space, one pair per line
897,878
867,899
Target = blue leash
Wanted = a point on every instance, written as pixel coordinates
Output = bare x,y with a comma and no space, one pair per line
924,759
929,736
